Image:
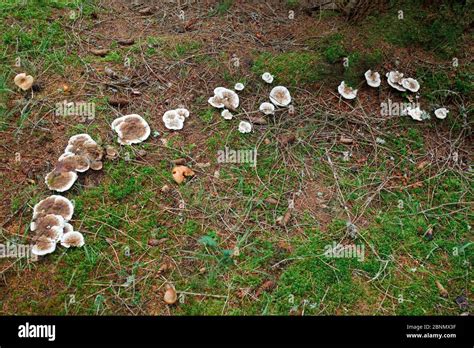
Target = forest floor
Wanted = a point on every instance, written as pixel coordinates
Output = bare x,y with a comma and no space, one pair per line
218,238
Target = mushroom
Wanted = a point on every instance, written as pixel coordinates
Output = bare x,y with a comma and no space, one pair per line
49,225
224,98
181,172
84,145
131,129
411,84
372,78
394,79
239,86
54,204
70,162
72,239
245,127
346,91
441,113
267,77
170,296
25,82
227,114
267,108
96,165
43,245
60,181
280,96
415,113
173,120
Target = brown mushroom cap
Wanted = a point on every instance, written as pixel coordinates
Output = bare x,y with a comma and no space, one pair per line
69,162
49,225
72,239
43,245
131,129
25,82
57,205
60,181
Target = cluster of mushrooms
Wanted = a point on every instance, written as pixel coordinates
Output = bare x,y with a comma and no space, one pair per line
228,100
50,225
81,154
396,80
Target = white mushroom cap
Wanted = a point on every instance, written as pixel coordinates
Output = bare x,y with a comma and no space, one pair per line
267,108
173,120
411,84
54,204
224,98
43,246
394,79
441,113
72,239
227,114
245,127
25,82
131,129
372,78
60,181
239,86
280,96
267,77
346,91
415,113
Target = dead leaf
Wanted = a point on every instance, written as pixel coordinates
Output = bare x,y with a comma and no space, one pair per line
442,291
101,52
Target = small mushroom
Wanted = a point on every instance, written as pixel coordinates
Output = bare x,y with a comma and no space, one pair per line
267,77
372,78
441,113
54,204
226,114
60,181
181,172
111,152
280,96
173,120
131,129
267,108
84,145
25,82
394,79
96,165
245,127
43,245
170,296
239,86
346,91
411,84
72,239
67,228
224,98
